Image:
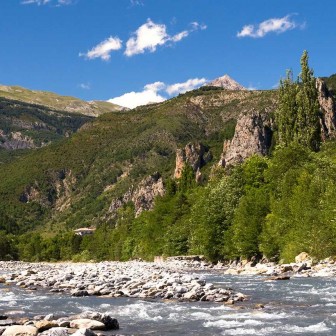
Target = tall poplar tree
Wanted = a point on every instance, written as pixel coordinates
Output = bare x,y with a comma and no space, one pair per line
297,116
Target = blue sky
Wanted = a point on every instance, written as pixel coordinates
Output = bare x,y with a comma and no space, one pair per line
102,49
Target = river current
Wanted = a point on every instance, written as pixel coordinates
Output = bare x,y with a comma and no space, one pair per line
299,306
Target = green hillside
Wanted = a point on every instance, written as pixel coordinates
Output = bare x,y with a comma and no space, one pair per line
57,102
26,126
130,145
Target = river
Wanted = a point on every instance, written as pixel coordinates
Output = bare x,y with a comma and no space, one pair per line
300,306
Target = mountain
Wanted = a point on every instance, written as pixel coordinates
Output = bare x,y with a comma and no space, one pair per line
197,161
81,180
57,102
26,126
226,82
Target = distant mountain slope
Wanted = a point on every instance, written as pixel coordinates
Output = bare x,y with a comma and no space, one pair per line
26,126
61,103
73,182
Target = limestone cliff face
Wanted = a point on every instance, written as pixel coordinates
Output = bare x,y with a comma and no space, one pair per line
253,135
58,193
195,155
142,196
15,140
328,110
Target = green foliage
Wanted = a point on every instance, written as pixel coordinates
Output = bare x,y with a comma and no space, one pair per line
297,116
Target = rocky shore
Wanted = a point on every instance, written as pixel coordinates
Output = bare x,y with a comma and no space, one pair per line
85,324
304,266
116,279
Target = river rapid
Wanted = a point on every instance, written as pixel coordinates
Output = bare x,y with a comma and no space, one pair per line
299,306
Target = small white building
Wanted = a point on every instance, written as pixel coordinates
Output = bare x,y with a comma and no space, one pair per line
84,231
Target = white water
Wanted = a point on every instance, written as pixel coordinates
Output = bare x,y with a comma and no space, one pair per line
302,306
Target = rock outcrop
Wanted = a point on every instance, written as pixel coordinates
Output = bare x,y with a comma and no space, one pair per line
253,135
328,110
143,196
61,185
226,82
193,154
15,140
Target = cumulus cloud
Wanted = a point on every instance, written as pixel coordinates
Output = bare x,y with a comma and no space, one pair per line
156,93
148,95
275,25
151,35
190,84
45,2
104,49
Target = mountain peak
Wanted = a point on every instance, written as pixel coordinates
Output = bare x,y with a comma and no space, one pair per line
226,82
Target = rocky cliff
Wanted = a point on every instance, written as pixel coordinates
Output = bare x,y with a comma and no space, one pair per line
328,110
253,135
15,140
57,195
142,196
193,154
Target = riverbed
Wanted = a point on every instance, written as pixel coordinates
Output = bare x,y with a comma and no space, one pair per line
299,306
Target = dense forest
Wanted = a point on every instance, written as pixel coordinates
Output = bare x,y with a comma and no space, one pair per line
275,206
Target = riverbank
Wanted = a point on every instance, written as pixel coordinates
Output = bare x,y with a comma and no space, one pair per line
303,305
135,279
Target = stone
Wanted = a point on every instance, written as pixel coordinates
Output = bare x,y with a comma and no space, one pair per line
303,257
87,324
6,322
79,293
110,322
58,331
279,277
84,332
18,330
45,325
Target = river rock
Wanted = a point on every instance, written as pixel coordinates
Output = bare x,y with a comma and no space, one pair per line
87,324
19,330
84,332
303,257
45,325
7,322
57,331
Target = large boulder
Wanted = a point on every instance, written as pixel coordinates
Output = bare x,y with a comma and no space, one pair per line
45,325
303,257
19,330
84,332
87,324
58,331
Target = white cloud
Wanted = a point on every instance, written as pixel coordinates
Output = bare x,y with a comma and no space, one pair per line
45,2
103,49
275,25
150,93
195,26
151,35
190,84
136,3
85,86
